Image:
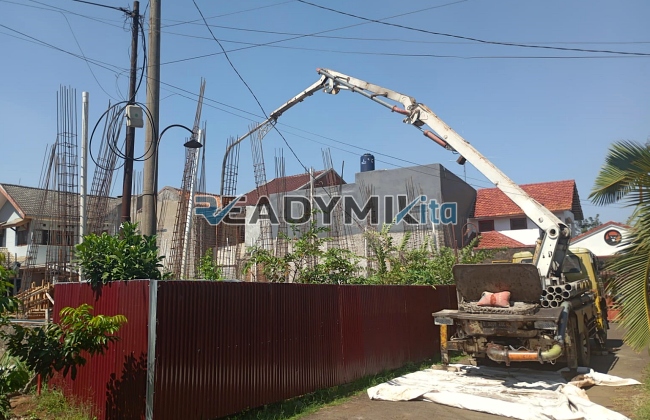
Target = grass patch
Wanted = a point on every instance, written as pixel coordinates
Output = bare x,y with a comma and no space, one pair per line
642,411
52,404
309,403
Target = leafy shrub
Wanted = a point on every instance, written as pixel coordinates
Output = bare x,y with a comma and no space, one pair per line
14,375
105,258
307,262
425,265
59,347
207,268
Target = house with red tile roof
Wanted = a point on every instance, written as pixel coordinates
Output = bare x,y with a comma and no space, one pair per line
604,240
290,183
502,224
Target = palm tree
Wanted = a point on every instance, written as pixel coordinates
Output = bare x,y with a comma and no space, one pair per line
625,178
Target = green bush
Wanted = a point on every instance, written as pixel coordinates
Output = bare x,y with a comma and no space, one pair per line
307,262
105,258
207,268
425,265
14,375
61,347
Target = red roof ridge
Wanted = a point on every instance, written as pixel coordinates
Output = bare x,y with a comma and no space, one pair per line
291,183
554,195
599,227
494,239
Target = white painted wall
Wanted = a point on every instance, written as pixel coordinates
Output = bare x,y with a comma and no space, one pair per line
8,214
596,241
252,230
526,236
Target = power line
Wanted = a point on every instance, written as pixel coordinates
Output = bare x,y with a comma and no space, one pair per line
389,54
121,9
226,14
247,112
315,33
467,38
84,56
410,41
51,8
248,87
43,43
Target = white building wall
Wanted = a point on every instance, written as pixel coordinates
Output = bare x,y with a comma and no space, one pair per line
252,231
525,236
9,215
596,241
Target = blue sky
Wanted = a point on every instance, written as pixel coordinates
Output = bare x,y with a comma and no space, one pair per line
537,118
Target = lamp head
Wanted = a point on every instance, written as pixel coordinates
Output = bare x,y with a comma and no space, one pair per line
193,144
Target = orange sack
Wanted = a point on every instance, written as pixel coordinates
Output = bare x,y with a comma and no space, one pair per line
499,300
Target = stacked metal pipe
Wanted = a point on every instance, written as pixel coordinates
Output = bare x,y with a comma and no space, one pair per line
553,296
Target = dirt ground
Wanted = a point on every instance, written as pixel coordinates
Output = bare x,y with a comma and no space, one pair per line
621,361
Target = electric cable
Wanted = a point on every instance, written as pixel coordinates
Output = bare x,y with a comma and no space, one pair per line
98,63
273,124
177,23
409,41
84,56
395,54
478,40
187,97
315,33
59,9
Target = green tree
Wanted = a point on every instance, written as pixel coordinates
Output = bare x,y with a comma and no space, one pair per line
625,178
62,347
423,265
126,256
307,262
589,223
207,268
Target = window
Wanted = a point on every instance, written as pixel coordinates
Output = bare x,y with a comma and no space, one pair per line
22,235
42,237
2,237
485,225
518,223
572,265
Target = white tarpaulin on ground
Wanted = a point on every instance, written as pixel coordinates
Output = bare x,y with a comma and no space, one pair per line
517,393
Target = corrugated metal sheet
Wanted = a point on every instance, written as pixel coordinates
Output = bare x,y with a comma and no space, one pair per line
224,347
115,383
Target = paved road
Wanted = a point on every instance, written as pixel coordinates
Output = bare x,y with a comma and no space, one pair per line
621,361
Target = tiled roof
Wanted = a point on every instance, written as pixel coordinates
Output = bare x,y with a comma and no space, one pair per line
597,228
293,183
30,199
494,239
555,196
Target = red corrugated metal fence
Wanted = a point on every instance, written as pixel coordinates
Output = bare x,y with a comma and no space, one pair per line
224,347
114,383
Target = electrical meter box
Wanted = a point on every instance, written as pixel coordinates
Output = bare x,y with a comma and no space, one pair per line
134,116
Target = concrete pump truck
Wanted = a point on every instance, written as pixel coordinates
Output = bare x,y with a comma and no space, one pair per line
543,309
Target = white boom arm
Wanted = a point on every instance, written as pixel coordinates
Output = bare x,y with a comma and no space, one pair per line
555,234
272,119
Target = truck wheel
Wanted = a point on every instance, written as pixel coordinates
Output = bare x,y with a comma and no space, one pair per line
583,346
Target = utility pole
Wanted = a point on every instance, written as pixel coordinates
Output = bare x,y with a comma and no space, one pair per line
150,173
83,183
130,131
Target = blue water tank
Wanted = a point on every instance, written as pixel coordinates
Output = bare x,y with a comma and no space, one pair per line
367,163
